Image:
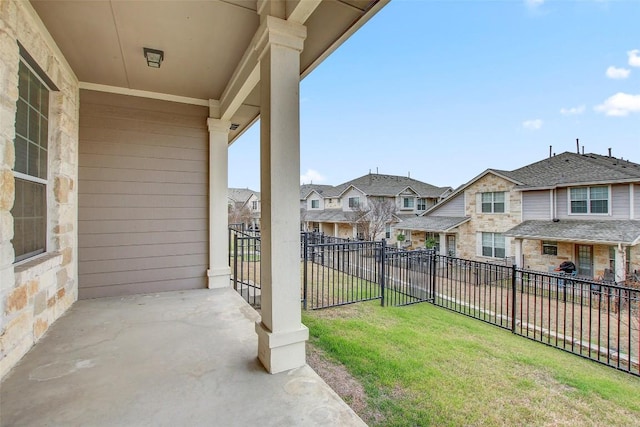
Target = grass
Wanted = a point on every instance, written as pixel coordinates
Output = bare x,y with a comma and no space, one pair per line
422,365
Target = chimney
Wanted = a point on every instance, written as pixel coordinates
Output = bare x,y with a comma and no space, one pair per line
577,146
609,151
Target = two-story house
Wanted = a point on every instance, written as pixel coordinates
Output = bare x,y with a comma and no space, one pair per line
244,207
579,207
333,210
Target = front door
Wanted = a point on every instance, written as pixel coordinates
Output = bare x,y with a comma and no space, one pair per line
584,260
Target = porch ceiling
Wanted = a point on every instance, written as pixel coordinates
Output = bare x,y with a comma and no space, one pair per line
203,41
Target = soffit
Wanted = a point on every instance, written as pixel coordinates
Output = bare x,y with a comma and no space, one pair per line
203,42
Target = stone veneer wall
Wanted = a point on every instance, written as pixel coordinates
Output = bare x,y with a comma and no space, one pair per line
35,293
493,223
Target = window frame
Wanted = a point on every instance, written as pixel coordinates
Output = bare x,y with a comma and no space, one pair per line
588,201
408,203
549,247
354,202
493,202
39,108
422,204
493,247
315,204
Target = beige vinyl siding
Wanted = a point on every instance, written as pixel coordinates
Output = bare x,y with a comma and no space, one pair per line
636,206
536,205
620,201
453,207
143,195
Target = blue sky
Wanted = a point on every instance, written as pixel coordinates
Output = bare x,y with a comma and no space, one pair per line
443,90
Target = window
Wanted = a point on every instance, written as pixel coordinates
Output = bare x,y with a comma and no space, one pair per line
254,205
422,204
549,247
31,142
589,200
354,202
315,204
493,202
387,231
408,202
493,245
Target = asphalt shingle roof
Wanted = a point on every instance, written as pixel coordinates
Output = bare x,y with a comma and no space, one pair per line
327,215
572,168
434,224
387,185
241,195
605,231
305,189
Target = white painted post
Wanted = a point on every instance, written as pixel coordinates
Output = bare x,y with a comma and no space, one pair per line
219,271
281,334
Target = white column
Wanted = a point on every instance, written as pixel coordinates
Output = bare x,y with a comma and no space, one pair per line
321,227
336,229
443,244
281,334
219,272
621,264
518,254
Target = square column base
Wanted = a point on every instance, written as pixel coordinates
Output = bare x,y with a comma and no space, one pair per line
218,278
279,352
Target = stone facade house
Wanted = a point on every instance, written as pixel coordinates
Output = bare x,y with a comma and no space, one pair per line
578,207
115,123
244,199
331,209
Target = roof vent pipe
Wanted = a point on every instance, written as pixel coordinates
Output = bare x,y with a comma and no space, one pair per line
550,148
609,151
577,146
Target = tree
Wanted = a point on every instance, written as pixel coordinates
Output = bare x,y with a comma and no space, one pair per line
239,214
371,221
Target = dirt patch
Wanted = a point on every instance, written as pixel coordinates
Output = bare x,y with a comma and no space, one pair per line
343,383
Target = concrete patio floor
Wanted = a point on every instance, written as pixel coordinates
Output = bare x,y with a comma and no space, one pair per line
168,359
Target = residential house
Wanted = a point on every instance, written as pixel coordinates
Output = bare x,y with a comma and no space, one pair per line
579,207
332,209
244,200
115,122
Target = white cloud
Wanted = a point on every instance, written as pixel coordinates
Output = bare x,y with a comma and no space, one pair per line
532,124
634,57
311,176
617,73
573,111
620,104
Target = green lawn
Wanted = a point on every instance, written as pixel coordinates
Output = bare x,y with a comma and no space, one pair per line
423,365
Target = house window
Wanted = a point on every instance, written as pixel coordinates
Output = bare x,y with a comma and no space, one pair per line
422,204
493,245
408,202
549,247
589,200
31,143
387,231
354,202
254,205
493,202
315,204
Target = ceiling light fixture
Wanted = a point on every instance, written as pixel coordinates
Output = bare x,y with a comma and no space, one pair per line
154,57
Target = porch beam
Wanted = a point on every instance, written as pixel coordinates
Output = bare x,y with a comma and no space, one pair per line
219,272
281,335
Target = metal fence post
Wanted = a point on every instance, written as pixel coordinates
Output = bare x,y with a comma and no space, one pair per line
235,261
513,297
383,250
305,252
434,265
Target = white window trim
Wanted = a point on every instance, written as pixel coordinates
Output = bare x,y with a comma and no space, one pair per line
609,201
507,245
507,197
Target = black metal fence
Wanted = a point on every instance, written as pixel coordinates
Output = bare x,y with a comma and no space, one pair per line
596,320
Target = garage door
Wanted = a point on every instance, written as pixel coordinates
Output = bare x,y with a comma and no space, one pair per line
143,195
